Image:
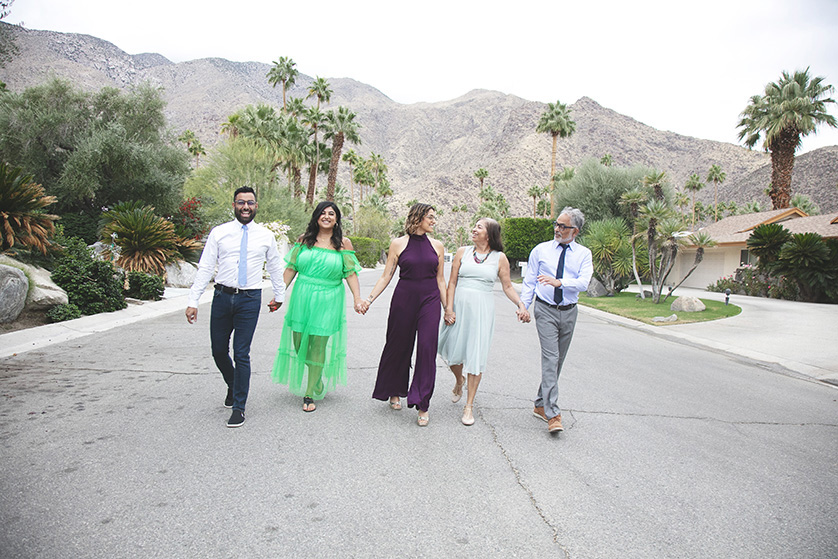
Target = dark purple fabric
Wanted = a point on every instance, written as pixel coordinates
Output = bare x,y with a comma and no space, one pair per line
414,316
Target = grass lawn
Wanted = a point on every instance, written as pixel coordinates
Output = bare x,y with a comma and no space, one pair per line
628,305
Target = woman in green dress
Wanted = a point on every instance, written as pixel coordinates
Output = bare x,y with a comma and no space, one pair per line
311,358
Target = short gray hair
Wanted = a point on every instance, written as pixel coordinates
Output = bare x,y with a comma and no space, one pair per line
577,218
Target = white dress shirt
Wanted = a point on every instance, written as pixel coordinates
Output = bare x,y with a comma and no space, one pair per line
544,260
222,252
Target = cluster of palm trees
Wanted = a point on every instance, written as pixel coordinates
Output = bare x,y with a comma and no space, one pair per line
293,135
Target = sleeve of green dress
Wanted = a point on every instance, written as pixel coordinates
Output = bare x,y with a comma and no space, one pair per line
291,257
350,263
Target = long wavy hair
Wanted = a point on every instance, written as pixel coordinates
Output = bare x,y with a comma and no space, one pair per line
415,216
493,231
313,228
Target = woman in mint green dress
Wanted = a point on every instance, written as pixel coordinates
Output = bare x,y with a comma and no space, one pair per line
311,358
469,321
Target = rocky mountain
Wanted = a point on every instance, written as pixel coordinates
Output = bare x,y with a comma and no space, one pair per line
431,149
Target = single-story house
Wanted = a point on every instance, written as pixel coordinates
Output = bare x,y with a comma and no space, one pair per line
731,235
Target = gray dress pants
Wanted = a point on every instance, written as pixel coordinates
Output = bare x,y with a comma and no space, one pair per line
555,330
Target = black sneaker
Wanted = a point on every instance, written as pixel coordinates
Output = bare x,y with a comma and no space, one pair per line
237,419
228,401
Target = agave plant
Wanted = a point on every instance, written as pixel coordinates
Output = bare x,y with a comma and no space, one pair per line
23,221
145,241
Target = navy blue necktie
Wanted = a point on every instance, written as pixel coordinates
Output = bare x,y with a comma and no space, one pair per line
557,294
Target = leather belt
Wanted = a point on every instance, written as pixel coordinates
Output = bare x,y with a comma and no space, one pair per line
560,307
232,290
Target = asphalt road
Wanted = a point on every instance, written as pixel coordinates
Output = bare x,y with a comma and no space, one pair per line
115,445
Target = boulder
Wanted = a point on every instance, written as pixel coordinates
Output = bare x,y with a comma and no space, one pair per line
687,304
646,293
13,289
596,289
43,293
670,318
180,274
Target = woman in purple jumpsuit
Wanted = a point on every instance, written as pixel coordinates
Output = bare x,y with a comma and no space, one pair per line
414,314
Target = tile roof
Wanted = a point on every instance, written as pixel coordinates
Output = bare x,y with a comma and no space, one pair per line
736,229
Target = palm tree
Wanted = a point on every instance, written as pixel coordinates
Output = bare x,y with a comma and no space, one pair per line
283,71
693,185
717,177
320,89
682,200
313,118
700,241
341,126
790,109
24,222
633,199
296,107
804,203
555,121
352,158
535,192
655,180
656,214
481,174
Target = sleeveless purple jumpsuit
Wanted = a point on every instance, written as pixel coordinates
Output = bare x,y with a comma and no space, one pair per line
414,315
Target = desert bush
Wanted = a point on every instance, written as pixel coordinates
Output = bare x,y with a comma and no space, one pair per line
92,285
147,287
368,251
521,234
60,313
24,224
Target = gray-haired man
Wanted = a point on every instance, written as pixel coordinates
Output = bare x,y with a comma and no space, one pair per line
556,272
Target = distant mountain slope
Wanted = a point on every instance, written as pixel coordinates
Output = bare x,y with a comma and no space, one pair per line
431,149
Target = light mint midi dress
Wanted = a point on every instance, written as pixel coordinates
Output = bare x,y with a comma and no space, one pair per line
467,341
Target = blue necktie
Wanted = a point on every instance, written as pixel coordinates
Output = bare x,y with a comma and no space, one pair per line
243,259
557,294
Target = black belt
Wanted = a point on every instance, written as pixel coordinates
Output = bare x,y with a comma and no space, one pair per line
560,307
232,290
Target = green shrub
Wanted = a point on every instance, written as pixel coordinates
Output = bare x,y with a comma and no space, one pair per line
60,313
146,287
521,234
82,225
368,251
726,282
92,285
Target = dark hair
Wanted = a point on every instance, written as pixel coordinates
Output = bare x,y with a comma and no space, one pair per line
493,231
243,189
310,236
417,213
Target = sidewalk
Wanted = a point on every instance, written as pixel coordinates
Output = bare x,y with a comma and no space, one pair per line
797,336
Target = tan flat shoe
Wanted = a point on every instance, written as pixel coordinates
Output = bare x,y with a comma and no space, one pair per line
457,393
468,416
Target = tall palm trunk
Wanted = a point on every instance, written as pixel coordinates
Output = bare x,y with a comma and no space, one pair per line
553,174
782,165
337,146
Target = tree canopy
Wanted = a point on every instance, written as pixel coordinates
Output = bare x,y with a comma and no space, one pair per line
92,150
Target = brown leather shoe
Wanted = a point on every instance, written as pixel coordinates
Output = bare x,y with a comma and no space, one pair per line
539,413
554,424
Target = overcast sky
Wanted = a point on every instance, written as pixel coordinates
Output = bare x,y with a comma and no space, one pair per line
687,67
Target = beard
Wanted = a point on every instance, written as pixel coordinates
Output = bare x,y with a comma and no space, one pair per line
244,220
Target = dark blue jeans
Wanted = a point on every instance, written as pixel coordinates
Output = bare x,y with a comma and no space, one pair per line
236,314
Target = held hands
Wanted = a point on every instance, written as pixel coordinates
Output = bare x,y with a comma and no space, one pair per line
522,314
273,305
361,306
450,317
549,280
191,315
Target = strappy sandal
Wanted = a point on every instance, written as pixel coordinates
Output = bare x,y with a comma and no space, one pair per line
467,422
396,406
423,421
308,405
457,393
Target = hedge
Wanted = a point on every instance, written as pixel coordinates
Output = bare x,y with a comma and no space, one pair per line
367,250
521,234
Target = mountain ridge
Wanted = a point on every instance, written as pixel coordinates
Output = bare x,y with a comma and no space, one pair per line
431,149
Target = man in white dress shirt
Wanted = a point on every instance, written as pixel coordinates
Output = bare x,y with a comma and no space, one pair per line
556,272
238,249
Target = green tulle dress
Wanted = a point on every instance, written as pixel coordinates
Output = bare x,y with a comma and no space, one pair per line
311,358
